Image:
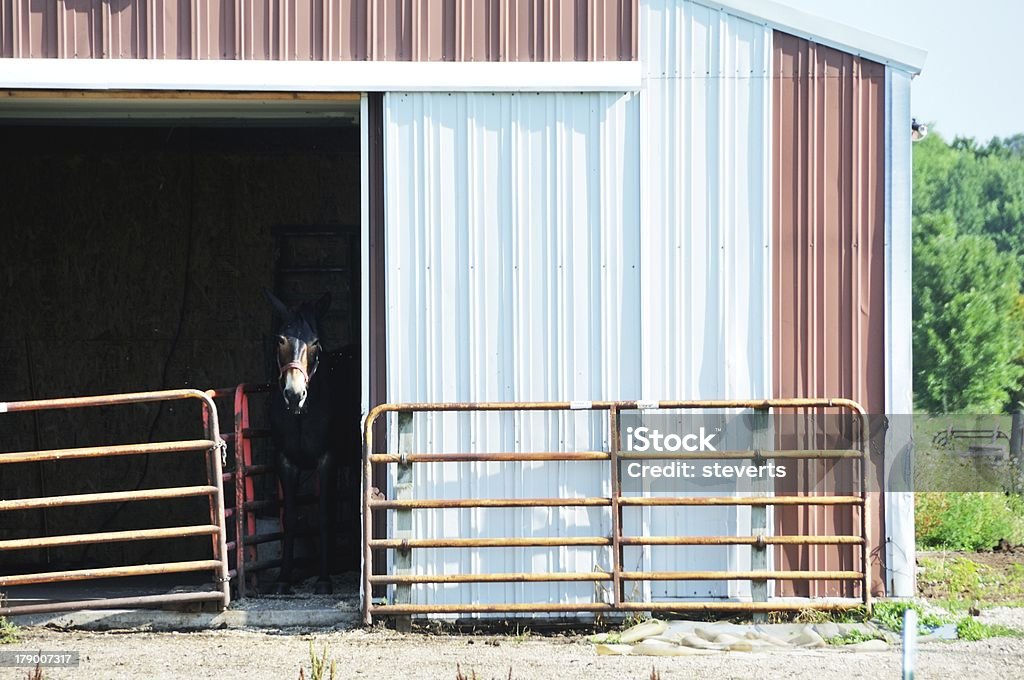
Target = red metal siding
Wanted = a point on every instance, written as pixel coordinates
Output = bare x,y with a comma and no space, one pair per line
828,274
332,30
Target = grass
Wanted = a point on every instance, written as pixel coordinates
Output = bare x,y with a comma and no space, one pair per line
853,637
964,582
853,615
889,613
970,628
318,665
968,520
8,632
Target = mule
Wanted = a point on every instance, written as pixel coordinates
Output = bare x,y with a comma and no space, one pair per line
309,414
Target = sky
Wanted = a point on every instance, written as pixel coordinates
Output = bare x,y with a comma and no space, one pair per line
972,83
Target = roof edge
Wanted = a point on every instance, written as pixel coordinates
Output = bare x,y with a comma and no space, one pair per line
825,31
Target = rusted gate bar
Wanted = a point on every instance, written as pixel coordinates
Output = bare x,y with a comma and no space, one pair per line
214,449
246,504
540,577
374,501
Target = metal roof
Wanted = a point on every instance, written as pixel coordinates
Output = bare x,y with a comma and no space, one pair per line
825,32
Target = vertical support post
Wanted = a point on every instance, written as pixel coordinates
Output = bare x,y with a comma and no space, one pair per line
215,472
762,441
618,592
1016,444
403,518
865,510
241,461
366,594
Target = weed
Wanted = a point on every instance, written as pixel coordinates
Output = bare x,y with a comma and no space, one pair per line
318,665
459,675
35,674
967,521
966,582
970,628
889,613
655,675
854,615
633,620
8,632
853,637
521,634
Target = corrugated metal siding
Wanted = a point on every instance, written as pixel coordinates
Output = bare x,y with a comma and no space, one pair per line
829,272
705,252
512,239
333,30
518,270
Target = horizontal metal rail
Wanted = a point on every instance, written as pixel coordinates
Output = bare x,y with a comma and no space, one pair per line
107,497
534,542
141,601
504,456
741,540
490,503
109,537
213,447
108,572
542,577
682,606
741,500
107,451
559,541
617,575
487,457
445,503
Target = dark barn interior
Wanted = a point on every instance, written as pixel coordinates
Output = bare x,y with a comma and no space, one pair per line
134,258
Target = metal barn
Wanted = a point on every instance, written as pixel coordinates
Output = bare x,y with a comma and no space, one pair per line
614,201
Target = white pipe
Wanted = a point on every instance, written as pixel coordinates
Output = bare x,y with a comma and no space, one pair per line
909,643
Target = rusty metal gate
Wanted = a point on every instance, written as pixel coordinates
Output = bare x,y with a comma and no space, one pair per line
401,579
213,449
244,500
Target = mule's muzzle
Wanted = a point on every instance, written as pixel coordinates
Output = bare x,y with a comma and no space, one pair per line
295,401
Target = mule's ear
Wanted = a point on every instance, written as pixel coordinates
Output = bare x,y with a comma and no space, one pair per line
322,305
280,307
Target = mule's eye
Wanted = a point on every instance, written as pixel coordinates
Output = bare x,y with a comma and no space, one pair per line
281,341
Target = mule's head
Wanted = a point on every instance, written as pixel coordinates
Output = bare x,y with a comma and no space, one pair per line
298,348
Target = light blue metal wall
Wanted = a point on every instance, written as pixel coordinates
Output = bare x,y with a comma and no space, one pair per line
705,203
579,247
512,238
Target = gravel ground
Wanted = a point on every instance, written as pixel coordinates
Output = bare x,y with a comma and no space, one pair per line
382,654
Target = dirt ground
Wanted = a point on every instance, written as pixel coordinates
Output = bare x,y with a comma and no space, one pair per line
382,654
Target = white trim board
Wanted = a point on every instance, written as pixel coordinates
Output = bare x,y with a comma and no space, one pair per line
825,32
899,505
318,76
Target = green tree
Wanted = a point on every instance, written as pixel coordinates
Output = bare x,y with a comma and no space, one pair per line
969,329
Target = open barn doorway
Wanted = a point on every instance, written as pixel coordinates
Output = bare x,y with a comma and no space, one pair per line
137,239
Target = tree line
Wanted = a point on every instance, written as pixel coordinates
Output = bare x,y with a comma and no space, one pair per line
968,273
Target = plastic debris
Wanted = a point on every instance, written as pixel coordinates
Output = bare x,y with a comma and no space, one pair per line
643,630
